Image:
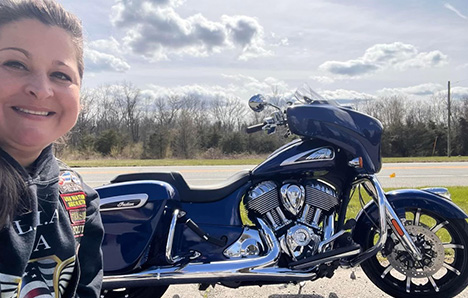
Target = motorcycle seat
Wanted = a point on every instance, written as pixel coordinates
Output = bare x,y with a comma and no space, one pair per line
189,193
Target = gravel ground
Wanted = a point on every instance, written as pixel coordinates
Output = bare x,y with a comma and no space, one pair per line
341,285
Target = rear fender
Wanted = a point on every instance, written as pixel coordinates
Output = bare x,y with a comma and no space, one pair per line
401,199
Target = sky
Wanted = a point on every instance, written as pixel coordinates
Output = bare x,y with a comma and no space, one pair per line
342,49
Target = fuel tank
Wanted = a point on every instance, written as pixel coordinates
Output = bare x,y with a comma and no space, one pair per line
298,156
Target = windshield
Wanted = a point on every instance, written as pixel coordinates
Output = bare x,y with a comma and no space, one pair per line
305,94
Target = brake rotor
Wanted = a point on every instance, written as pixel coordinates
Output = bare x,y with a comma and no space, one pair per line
431,248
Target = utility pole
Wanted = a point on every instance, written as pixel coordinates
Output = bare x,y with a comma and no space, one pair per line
449,115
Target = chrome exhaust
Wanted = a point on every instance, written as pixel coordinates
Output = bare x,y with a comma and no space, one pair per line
256,268
253,269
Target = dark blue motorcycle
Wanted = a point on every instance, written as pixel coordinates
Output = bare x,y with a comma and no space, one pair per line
161,231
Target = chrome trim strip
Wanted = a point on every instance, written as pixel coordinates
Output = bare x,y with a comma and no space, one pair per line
293,159
170,239
143,197
441,191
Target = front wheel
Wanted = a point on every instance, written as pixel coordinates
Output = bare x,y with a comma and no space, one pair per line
443,271
141,292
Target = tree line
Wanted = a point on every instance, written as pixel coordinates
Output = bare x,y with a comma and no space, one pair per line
123,122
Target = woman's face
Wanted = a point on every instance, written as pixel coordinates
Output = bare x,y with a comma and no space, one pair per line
39,87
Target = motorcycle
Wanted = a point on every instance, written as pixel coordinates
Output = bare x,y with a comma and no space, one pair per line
286,220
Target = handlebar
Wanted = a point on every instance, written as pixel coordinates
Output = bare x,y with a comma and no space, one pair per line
255,128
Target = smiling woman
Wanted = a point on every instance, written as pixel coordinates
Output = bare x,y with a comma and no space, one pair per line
39,81
50,228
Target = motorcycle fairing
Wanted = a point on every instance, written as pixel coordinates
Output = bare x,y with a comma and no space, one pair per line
355,132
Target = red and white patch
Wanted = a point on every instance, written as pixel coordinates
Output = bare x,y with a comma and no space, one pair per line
75,204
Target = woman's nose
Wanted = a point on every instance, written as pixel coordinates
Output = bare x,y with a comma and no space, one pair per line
39,87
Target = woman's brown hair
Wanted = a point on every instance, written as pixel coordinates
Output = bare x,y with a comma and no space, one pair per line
50,13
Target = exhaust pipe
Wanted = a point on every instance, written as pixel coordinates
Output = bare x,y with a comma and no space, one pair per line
199,272
254,269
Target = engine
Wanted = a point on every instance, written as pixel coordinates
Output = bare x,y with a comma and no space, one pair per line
295,211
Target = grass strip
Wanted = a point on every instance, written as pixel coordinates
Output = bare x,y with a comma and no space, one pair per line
110,162
459,195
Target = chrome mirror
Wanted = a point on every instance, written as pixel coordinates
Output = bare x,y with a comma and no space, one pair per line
257,103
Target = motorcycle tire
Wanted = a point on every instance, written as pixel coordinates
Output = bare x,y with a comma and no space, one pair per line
443,271
142,292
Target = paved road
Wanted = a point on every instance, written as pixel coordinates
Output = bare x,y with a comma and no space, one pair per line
341,285
403,174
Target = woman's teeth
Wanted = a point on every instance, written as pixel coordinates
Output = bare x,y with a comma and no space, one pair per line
32,112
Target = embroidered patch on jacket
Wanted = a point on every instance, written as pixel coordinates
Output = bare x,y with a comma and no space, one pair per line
75,203
69,182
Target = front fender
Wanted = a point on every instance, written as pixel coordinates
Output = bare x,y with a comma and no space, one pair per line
399,200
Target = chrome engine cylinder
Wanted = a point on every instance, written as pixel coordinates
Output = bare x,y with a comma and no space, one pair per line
264,200
319,198
306,202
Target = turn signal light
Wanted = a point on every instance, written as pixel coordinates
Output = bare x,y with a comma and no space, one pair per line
356,163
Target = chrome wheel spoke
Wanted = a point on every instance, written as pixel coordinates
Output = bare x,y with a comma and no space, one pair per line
431,279
454,246
417,217
439,226
408,284
386,271
453,269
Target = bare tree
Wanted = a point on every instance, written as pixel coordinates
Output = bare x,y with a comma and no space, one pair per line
229,112
128,98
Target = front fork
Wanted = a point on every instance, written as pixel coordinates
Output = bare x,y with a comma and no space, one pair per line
387,216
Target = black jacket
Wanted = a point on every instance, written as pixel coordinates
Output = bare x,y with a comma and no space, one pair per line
54,247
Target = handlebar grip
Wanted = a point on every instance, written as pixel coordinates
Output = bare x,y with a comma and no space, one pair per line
255,128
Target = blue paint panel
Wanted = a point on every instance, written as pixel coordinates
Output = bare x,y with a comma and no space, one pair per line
220,219
423,199
223,212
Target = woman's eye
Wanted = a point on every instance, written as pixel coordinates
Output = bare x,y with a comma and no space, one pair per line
15,64
61,76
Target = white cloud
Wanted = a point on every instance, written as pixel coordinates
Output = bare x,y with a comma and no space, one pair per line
208,93
111,46
379,57
418,90
342,94
457,92
456,11
251,85
96,61
322,79
155,30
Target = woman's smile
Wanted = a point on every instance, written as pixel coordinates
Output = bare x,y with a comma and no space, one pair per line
33,112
